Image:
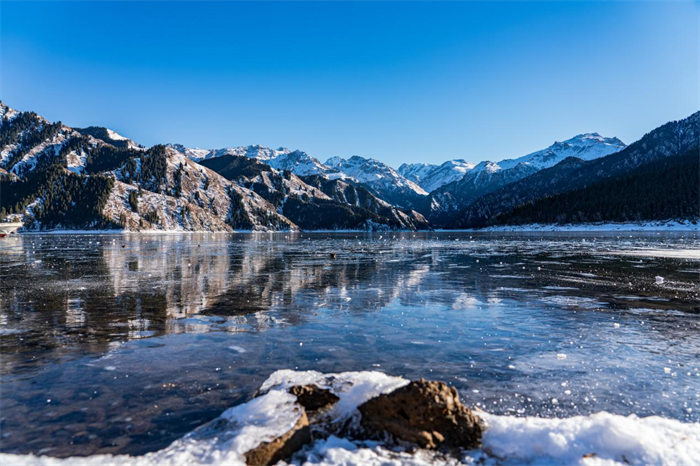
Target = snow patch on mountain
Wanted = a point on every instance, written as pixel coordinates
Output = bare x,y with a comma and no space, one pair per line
109,136
115,136
50,148
76,160
7,114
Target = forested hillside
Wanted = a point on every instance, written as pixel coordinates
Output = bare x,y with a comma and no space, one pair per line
668,189
56,177
315,202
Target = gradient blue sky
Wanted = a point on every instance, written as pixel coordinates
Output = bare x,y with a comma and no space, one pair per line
400,82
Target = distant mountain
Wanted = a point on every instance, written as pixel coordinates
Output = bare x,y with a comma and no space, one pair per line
316,202
258,152
431,177
572,173
446,201
586,146
297,162
386,182
665,189
416,171
443,203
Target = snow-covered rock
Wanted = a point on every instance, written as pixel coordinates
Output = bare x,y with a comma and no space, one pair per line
193,153
416,172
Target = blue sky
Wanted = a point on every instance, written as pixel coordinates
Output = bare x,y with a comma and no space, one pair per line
400,82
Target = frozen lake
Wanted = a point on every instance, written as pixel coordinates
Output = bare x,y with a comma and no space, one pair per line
122,344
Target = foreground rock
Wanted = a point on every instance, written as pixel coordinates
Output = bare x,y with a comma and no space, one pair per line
313,398
282,447
423,412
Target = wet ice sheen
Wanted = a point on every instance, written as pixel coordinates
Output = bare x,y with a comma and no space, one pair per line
137,346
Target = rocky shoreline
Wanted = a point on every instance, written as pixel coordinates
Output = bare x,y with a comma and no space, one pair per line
370,418
423,414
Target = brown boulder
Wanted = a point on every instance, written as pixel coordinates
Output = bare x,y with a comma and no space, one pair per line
282,447
313,398
423,412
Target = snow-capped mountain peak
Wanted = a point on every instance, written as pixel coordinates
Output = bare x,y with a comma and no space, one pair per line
374,173
113,135
586,146
298,162
431,177
193,153
487,166
416,172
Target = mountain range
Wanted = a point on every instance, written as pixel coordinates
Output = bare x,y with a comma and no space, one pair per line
671,141
53,176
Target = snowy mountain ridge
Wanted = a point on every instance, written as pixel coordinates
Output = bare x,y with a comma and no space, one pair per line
487,176
586,146
412,180
370,170
383,179
298,162
431,177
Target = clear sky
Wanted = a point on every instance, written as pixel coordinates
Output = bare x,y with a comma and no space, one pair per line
400,82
